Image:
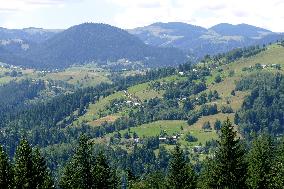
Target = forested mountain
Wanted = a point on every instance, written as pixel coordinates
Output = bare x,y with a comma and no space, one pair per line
99,43
200,41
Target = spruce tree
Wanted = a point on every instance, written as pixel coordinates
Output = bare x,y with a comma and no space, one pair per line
83,172
42,176
277,173
105,177
78,171
227,168
30,170
260,162
6,175
23,169
180,173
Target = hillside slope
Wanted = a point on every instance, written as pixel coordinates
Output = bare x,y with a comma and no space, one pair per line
228,102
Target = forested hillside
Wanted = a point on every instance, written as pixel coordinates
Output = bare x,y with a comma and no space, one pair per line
215,124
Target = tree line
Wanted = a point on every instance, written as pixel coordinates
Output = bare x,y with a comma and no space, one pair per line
234,164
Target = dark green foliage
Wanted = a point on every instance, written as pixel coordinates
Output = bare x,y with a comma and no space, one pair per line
277,170
187,106
14,96
262,110
205,110
42,119
227,169
190,138
41,174
217,125
193,118
261,159
30,169
85,171
24,176
155,180
206,126
212,96
217,78
180,173
78,171
104,176
6,173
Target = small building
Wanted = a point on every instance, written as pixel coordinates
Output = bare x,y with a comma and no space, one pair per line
163,139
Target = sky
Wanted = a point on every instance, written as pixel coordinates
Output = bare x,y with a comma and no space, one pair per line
127,14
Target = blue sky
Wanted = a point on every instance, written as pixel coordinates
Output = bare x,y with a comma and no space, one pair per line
133,13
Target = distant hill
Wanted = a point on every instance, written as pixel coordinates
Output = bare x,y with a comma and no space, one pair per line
18,41
201,41
35,35
100,43
240,30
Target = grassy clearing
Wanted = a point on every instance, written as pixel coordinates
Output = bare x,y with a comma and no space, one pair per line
82,76
143,92
273,55
172,127
94,109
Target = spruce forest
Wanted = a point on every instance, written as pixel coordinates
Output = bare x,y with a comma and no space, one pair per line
164,106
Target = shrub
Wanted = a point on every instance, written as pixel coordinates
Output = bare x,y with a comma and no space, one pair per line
218,79
227,110
190,138
206,126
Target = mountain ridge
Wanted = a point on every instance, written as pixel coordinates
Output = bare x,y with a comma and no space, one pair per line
101,43
201,41
159,44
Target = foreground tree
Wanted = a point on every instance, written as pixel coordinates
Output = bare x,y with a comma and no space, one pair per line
84,171
30,168
277,173
6,175
42,176
105,177
24,166
78,171
181,174
227,169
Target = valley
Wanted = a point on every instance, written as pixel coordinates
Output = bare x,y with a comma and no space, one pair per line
136,101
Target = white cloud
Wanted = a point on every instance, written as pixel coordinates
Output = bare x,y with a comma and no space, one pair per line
24,5
263,13
133,13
